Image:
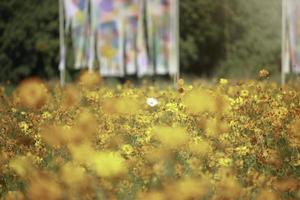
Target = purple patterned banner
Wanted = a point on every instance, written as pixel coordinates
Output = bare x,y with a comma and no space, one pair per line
77,18
127,37
294,33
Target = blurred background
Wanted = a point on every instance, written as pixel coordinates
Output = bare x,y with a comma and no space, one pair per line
228,38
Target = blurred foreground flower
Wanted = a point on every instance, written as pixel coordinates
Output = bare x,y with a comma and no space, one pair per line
71,97
109,164
180,86
171,138
73,175
199,101
122,105
267,195
22,165
189,188
228,187
89,79
32,93
43,186
200,147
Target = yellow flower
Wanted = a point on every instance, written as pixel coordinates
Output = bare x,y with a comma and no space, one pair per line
56,136
72,175
24,127
82,153
11,195
223,81
152,196
228,188
212,127
267,194
127,105
264,73
200,147
242,150
86,124
92,96
71,97
127,149
199,101
225,162
108,164
46,115
90,79
32,93
172,107
280,112
44,186
171,137
244,93
180,83
189,188
22,165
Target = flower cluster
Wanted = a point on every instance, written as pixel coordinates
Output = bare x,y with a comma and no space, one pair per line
91,141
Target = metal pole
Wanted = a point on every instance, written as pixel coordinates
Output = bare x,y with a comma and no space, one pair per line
283,43
62,64
177,41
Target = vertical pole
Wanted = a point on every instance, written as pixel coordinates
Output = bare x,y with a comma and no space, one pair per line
177,41
283,42
91,38
62,64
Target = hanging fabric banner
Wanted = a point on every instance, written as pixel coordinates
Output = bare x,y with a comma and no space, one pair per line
77,18
293,10
136,60
144,66
130,16
128,37
159,34
109,37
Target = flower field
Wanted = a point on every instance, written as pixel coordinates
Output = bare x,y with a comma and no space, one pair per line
231,140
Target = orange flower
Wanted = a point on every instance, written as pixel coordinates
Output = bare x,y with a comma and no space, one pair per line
264,73
32,93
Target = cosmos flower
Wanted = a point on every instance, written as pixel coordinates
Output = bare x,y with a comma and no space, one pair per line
152,102
223,81
264,73
23,126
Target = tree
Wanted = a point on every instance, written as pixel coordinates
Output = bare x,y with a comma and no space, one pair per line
28,39
202,35
253,39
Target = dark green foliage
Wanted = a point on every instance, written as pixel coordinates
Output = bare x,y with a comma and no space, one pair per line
230,37
28,39
253,37
202,35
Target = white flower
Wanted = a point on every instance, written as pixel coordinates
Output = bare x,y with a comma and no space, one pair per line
152,102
